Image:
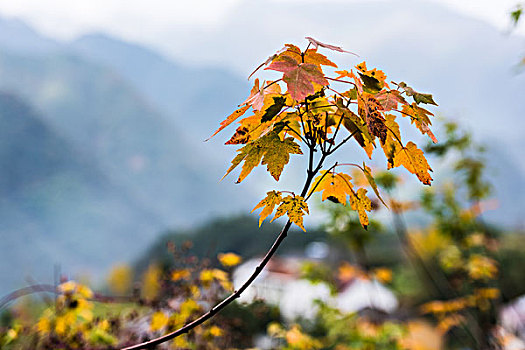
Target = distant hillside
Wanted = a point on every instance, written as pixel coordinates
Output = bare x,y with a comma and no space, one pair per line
94,169
197,97
97,111
56,206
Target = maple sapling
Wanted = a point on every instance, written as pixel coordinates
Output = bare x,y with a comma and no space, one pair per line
305,112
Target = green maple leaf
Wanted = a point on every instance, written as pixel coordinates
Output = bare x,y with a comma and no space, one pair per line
274,153
418,96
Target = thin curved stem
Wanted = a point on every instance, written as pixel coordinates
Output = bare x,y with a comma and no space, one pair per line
214,310
311,172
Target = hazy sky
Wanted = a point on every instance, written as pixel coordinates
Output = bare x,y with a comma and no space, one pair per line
139,19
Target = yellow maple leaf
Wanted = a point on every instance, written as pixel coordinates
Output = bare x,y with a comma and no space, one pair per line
231,118
414,161
335,186
372,182
314,57
295,207
274,153
372,73
361,203
268,204
392,143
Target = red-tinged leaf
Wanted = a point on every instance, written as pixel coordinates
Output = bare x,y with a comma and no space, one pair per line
317,43
258,124
390,99
272,199
426,130
369,109
256,97
300,80
265,63
294,207
283,63
231,118
413,159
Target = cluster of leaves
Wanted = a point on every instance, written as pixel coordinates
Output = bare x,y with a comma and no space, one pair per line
336,330
68,324
461,245
466,257
306,108
167,299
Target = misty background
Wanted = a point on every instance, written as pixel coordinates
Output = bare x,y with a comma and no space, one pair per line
103,121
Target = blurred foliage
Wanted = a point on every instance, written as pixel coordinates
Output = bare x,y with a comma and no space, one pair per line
516,14
166,300
120,279
455,271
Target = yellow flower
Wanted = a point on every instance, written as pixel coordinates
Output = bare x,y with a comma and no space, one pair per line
180,274
158,321
12,334
60,325
215,331
68,287
206,277
229,259
481,267
487,293
383,274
